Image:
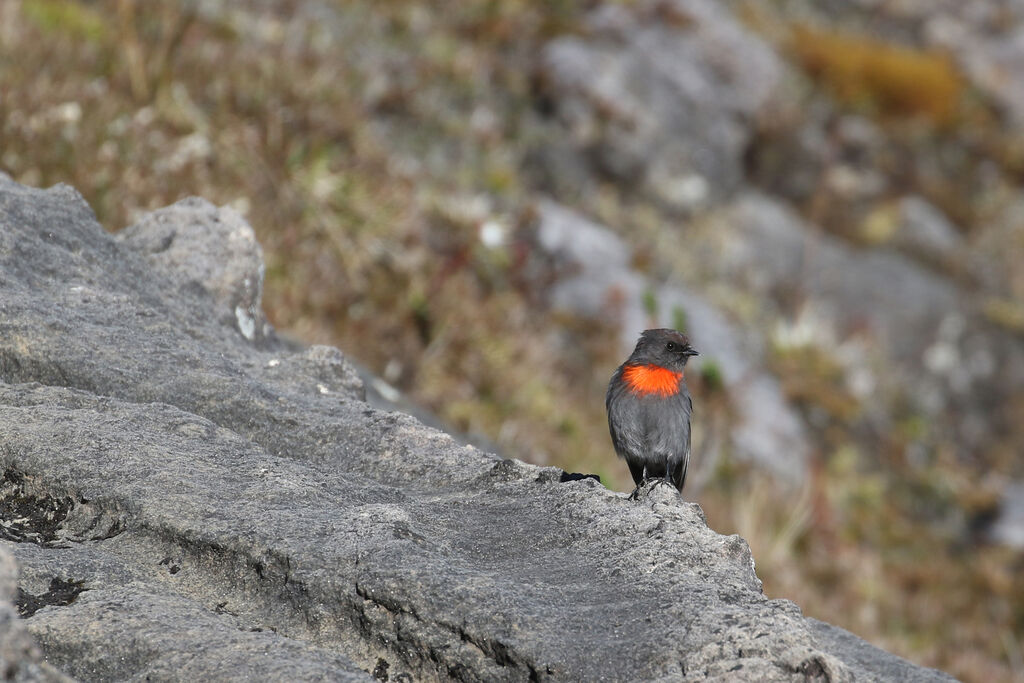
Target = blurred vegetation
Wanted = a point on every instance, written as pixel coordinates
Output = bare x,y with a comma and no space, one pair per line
372,154
887,79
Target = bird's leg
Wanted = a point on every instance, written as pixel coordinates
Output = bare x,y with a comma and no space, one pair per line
649,478
666,478
664,481
640,484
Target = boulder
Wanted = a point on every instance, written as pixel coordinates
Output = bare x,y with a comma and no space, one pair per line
914,331
662,97
209,247
188,501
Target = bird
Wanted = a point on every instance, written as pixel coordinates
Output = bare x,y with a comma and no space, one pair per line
649,409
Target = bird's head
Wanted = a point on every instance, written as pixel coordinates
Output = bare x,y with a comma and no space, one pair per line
665,348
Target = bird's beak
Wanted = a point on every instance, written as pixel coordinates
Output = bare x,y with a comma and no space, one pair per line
689,351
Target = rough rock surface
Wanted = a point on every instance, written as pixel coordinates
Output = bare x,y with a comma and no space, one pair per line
232,267
187,503
20,657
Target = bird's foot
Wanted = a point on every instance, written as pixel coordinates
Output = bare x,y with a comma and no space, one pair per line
663,481
652,483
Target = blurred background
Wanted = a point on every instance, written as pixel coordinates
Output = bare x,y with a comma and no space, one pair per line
485,202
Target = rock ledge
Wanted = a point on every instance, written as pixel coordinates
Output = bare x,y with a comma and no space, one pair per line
188,498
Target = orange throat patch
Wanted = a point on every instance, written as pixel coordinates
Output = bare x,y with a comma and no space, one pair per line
651,380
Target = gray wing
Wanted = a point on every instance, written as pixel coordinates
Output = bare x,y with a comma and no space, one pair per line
686,452
623,411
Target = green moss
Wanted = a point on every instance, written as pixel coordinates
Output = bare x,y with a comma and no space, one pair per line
650,302
72,19
679,320
711,376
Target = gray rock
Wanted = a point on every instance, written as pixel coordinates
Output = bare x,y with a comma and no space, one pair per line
925,230
987,42
219,515
21,660
211,247
775,252
1008,527
662,97
883,666
921,333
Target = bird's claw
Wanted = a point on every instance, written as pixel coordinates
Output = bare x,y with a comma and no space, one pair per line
664,481
653,481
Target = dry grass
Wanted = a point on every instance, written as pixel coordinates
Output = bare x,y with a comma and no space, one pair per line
890,79
861,548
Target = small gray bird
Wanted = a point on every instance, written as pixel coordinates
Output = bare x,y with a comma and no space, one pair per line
649,408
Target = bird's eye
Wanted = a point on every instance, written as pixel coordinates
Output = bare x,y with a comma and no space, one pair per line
671,346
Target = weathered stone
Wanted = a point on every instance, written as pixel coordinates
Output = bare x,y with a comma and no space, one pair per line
194,505
21,660
925,230
662,97
211,247
927,336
